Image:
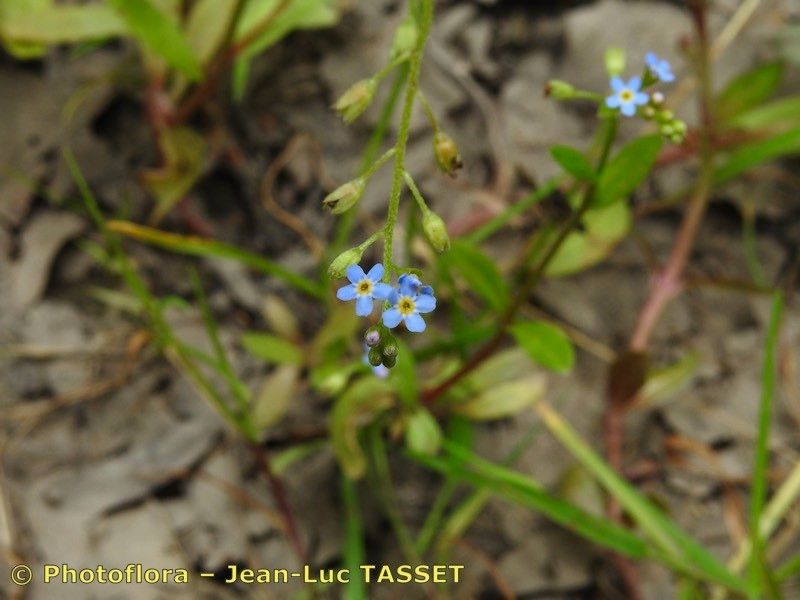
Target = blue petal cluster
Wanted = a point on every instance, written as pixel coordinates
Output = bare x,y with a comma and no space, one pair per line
627,95
659,67
364,288
409,301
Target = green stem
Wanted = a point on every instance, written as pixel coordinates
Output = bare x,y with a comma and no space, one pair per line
412,85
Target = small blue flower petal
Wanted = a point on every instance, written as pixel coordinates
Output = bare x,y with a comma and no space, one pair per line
617,84
634,84
641,98
364,306
409,284
392,318
628,109
415,323
425,303
394,296
346,293
613,101
660,68
381,291
426,290
376,272
355,273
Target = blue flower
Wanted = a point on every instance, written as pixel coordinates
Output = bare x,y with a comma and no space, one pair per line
660,68
409,300
381,371
364,288
626,96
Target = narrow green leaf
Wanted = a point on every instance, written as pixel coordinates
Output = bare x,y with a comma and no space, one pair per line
57,24
748,90
546,344
479,272
758,488
197,246
273,23
573,162
468,467
781,114
663,532
756,153
275,396
354,551
626,170
205,29
160,34
272,348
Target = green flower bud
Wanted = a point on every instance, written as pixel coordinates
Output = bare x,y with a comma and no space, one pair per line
345,196
648,112
560,90
339,265
389,349
446,153
405,38
615,61
435,231
375,357
389,361
355,100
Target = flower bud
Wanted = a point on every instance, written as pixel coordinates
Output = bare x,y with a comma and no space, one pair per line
345,196
355,100
375,357
405,38
389,361
389,349
615,61
446,153
560,90
372,337
339,265
648,112
657,98
435,231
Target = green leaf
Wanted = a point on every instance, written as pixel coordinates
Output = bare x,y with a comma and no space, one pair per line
272,349
205,29
758,489
573,162
160,34
184,157
666,383
361,403
197,246
748,90
626,170
663,532
272,26
423,434
479,272
603,230
778,115
523,490
546,344
503,400
752,155
28,26
275,395
507,365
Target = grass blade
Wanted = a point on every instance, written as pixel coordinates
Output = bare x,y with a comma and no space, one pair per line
197,246
354,552
466,466
758,576
662,531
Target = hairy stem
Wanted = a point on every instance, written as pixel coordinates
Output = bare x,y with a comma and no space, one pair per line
412,85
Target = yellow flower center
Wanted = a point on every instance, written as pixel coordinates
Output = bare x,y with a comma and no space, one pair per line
406,306
364,287
626,95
